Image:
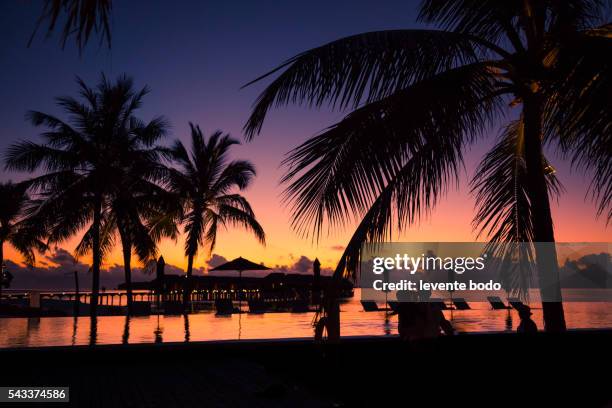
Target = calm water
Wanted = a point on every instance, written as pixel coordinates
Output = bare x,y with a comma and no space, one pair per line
23,332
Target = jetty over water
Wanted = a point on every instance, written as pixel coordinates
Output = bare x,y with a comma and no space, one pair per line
277,290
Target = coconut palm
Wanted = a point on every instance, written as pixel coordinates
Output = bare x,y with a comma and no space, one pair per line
420,96
86,161
80,19
207,183
134,203
14,228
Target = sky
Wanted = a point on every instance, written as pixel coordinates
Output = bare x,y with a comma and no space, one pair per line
195,57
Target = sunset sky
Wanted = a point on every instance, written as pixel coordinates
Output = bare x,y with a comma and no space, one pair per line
195,56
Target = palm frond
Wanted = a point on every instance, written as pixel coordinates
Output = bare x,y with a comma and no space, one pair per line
361,68
416,187
504,211
107,239
342,170
578,112
246,219
80,19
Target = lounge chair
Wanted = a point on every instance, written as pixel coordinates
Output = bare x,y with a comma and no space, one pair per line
225,307
516,303
369,306
497,303
393,305
141,308
299,306
461,304
440,303
172,307
258,306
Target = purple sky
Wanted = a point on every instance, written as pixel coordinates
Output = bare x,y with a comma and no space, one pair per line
195,55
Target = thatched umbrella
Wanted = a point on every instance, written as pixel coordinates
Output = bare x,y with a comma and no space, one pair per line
240,265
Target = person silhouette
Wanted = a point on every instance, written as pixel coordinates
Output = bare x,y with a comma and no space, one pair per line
418,318
527,325
434,319
408,322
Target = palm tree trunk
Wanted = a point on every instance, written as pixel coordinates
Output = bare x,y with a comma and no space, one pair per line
97,259
187,285
127,267
546,254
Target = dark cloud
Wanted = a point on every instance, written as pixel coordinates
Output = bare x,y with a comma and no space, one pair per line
215,260
64,259
303,265
55,271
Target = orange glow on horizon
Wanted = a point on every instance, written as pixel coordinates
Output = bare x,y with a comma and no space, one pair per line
575,221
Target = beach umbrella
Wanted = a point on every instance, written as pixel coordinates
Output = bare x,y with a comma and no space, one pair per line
240,265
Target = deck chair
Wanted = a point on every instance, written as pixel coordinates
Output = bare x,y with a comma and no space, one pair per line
516,303
257,306
497,303
393,305
461,304
440,303
172,307
299,306
225,307
369,306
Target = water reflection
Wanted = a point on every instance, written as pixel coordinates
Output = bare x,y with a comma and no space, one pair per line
509,321
186,325
24,332
158,332
93,331
387,325
126,331
75,327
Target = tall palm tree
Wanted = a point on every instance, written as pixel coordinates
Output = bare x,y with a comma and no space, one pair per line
80,19
134,203
14,228
420,96
206,182
85,160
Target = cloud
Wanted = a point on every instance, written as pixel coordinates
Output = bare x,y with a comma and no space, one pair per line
55,271
303,265
337,248
215,260
64,259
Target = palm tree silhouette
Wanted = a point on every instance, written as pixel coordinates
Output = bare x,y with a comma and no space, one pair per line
205,181
135,201
14,227
87,162
421,96
81,18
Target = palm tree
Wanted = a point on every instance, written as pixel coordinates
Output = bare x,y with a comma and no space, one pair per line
14,228
205,180
421,96
80,19
134,203
85,161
